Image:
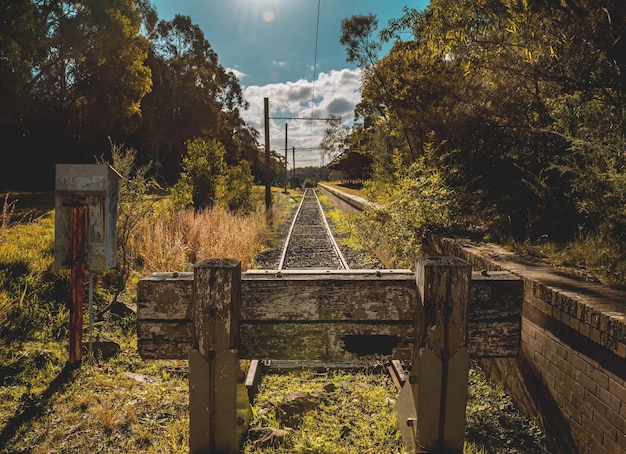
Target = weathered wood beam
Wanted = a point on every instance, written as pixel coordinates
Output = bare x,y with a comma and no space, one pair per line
325,308
328,297
326,341
431,406
214,422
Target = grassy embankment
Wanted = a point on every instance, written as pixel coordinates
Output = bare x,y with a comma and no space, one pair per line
125,404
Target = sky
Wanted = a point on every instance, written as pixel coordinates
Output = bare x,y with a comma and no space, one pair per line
279,50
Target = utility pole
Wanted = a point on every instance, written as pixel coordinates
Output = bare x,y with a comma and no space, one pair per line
268,183
268,194
285,158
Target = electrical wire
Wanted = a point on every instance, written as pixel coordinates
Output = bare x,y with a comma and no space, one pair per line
317,34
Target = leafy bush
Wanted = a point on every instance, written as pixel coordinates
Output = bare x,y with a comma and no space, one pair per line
235,190
134,206
416,203
203,171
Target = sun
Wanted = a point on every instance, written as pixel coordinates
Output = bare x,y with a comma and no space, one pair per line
268,15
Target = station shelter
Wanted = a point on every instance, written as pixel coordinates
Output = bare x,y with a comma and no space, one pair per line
354,167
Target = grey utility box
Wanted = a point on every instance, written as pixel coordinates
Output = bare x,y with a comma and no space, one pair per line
96,187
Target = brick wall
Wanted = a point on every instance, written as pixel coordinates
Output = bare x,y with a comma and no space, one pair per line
572,364
571,370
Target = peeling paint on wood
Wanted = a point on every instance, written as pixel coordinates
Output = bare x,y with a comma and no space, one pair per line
318,308
165,296
319,341
317,296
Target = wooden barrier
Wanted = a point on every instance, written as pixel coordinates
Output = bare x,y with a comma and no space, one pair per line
437,317
304,300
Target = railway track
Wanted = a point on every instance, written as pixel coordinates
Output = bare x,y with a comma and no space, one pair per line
310,243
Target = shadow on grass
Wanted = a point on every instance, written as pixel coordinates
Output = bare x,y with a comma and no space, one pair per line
33,407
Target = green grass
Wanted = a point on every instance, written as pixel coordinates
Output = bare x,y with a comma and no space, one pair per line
125,404
354,416
28,205
118,405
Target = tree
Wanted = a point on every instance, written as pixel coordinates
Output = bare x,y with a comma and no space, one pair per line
335,138
193,96
203,171
235,190
523,103
78,76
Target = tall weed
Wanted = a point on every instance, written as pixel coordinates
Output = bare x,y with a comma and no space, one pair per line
5,217
177,241
417,203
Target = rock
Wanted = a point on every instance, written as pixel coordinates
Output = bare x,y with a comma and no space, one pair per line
142,378
122,309
290,411
106,349
266,437
323,393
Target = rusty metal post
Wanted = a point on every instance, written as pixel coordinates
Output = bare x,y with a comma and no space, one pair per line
431,407
77,277
216,424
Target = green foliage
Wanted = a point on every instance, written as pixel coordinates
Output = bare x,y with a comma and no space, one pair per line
357,35
494,424
181,194
524,102
206,180
75,73
203,171
134,206
417,202
310,183
190,91
235,189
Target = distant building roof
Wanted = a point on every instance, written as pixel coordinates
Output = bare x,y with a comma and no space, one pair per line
349,160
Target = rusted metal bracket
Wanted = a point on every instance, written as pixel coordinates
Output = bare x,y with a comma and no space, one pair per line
431,405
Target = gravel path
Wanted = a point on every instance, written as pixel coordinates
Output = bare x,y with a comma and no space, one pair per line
310,247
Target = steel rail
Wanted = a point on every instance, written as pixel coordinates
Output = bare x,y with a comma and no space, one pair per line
342,260
293,223
337,251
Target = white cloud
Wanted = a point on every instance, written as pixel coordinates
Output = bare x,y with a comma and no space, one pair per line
280,64
238,74
336,93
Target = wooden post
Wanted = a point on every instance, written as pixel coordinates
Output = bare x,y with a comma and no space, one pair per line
214,422
286,177
77,278
431,407
268,182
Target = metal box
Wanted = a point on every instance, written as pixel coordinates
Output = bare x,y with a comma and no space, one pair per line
96,187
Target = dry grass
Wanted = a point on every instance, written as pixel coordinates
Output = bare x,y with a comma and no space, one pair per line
5,216
180,239
125,404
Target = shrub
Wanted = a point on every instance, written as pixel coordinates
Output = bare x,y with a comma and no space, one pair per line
416,203
203,170
134,206
235,190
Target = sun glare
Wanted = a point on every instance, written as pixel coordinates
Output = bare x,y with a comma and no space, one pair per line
268,15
